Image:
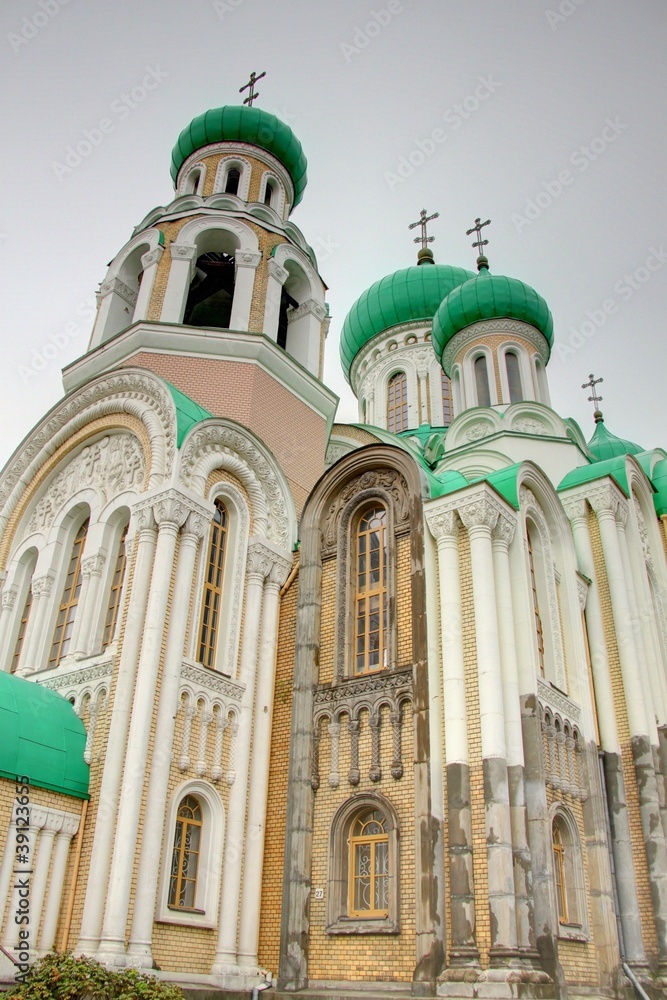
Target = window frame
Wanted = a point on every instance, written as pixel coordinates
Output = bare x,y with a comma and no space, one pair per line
115,590
573,924
176,879
339,920
77,587
219,536
369,592
401,406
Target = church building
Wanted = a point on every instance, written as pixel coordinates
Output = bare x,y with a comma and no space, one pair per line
328,707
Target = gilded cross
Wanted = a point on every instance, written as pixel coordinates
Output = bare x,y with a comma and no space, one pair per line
423,219
592,382
251,83
477,228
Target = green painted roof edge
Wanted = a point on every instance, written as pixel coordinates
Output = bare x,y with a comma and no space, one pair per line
35,783
659,482
612,467
238,123
505,482
188,413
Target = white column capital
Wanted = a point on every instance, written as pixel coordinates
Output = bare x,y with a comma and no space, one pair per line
622,511
94,564
267,564
115,285
604,500
152,257
575,508
479,513
183,251
172,507
277,271
503,533
443,524
9,598
42,585
243,258
308,308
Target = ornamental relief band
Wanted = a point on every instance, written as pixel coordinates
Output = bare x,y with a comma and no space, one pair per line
387,479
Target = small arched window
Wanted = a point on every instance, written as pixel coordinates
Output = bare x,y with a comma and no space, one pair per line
482,382
370,609
397,403
192,183
69,601
269,192
185,855
369,865
210,616
447,409
233,180
513,377
116,591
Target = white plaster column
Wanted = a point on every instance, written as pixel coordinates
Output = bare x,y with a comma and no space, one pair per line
244,282
54,822
480,516
23,883
259,770
9,595
260,561
149,262
183,257
422,380
304,332
7,868
42,588
116,305
105,824
444,526
70,826
156,799
576,509
639,554
170,510
91,570
278,275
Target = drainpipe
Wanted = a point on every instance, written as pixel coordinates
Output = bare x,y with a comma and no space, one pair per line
621,942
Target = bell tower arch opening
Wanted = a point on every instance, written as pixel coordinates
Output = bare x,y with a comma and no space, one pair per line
211,292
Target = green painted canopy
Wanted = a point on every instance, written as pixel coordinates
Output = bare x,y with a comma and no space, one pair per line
490,296
412,294
188,413
43,739
234,123
604,444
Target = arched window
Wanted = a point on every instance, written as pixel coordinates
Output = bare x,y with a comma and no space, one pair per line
233,179
23,624
397,403
539,629
185,855
369,865
370,611
513,377
482,382
210,616
447,409
116,591
211,292
269,191
70,600
568,874
192,182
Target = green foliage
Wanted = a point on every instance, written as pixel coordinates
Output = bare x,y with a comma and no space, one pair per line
60,976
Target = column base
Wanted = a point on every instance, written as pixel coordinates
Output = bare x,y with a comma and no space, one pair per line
111,953
140,957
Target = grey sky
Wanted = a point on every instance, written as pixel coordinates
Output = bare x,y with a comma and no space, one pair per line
516,88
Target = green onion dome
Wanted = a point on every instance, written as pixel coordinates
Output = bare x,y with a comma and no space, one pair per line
244,124
606,445
411,294
490,296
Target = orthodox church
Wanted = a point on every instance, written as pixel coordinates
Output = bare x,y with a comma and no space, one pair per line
376,708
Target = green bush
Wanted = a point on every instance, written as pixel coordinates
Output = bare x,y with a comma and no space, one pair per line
60,976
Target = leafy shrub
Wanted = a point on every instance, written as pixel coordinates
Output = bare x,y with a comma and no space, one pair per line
60,976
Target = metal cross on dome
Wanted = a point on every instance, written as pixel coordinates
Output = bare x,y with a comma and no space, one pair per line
423,219
477,228
592,382
251,83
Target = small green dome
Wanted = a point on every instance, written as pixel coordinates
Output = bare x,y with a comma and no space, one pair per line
413,293
234,123
490,296
606,445
43,738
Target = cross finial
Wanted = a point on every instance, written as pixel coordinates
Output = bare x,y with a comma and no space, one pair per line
595,399
422,221
477,228
251,83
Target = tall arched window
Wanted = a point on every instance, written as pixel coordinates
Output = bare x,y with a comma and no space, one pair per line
369,865
210,616
70,600
559,871
397,403
569,881
185,855
482,382
513,377
371,592
447,408
539,628
23,624
269,192
232,183
116,591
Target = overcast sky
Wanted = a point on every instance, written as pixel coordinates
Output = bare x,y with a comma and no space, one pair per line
547,116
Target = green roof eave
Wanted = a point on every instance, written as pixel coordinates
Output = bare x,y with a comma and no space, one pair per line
614,468
659,481
505,482
188,413
43,738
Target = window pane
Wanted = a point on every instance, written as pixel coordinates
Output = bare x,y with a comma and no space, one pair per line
212,597
513,377
482,382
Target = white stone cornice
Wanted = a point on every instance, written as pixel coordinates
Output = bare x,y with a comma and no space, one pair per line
494,327
307,308
277,271
183,251
245,259
152,257
213,683
118,287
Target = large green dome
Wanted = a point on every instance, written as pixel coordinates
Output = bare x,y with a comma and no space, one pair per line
234,123
490,296
413,293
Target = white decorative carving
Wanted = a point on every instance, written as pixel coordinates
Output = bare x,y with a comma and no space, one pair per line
212,683
9,599
277,271
245,259
479,430
443,523
118,287
93,565
307,308
111,465
526,425
152,257
183,251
